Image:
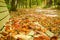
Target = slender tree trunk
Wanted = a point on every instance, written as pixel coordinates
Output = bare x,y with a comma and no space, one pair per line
49,3
30,3
37,2
13,5
26,4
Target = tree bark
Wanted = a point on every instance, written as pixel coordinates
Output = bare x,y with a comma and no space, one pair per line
30,3
13,5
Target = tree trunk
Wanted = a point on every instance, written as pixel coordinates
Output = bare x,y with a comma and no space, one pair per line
26,4
13,5
30,3
49,3
37,2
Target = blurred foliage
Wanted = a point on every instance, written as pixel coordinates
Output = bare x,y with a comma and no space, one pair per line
16,4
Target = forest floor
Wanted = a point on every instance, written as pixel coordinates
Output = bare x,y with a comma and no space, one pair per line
45,23
49,14
34,11
49,17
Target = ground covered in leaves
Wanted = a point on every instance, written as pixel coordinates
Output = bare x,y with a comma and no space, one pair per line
30,22
52,23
